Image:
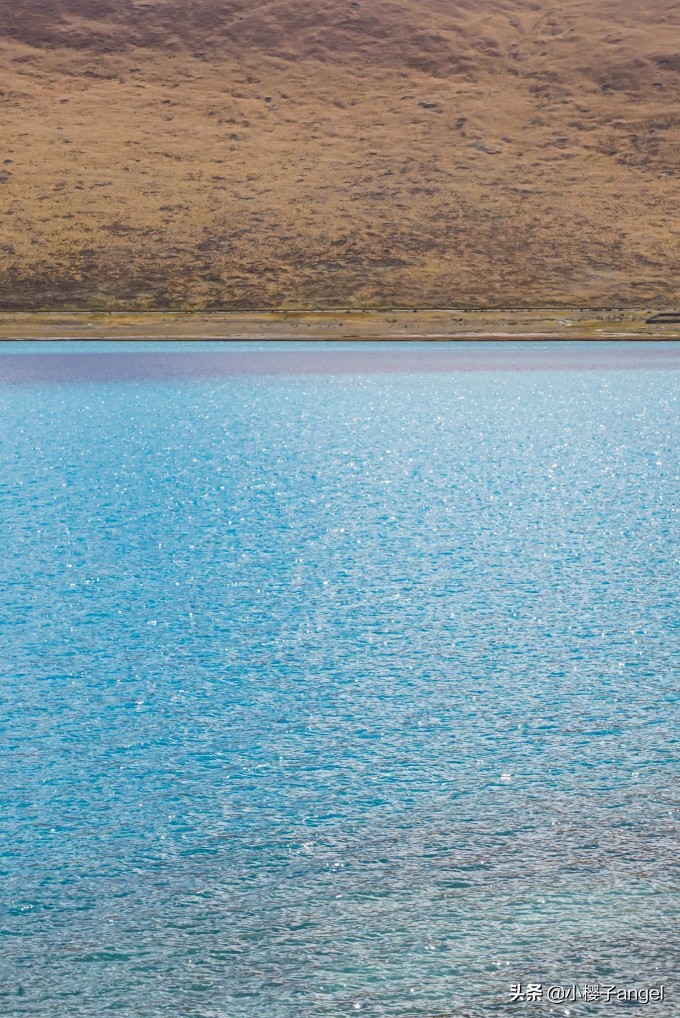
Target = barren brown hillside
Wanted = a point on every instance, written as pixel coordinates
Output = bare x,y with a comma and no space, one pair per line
299,153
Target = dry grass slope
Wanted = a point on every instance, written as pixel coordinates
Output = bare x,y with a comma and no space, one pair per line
331,153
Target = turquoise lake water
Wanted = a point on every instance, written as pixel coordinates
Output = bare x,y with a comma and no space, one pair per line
337,681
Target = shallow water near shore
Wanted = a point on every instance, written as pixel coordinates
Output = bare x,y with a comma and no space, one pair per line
337,686
102,361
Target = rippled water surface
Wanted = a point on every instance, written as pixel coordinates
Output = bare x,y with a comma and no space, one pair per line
336,689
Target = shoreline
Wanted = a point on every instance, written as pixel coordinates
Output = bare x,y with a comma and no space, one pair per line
431,325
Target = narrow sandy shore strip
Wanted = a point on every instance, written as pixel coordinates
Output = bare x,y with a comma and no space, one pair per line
402,324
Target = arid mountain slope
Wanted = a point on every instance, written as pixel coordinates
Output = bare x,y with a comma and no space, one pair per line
211,154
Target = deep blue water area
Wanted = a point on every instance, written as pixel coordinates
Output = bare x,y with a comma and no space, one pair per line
337,684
